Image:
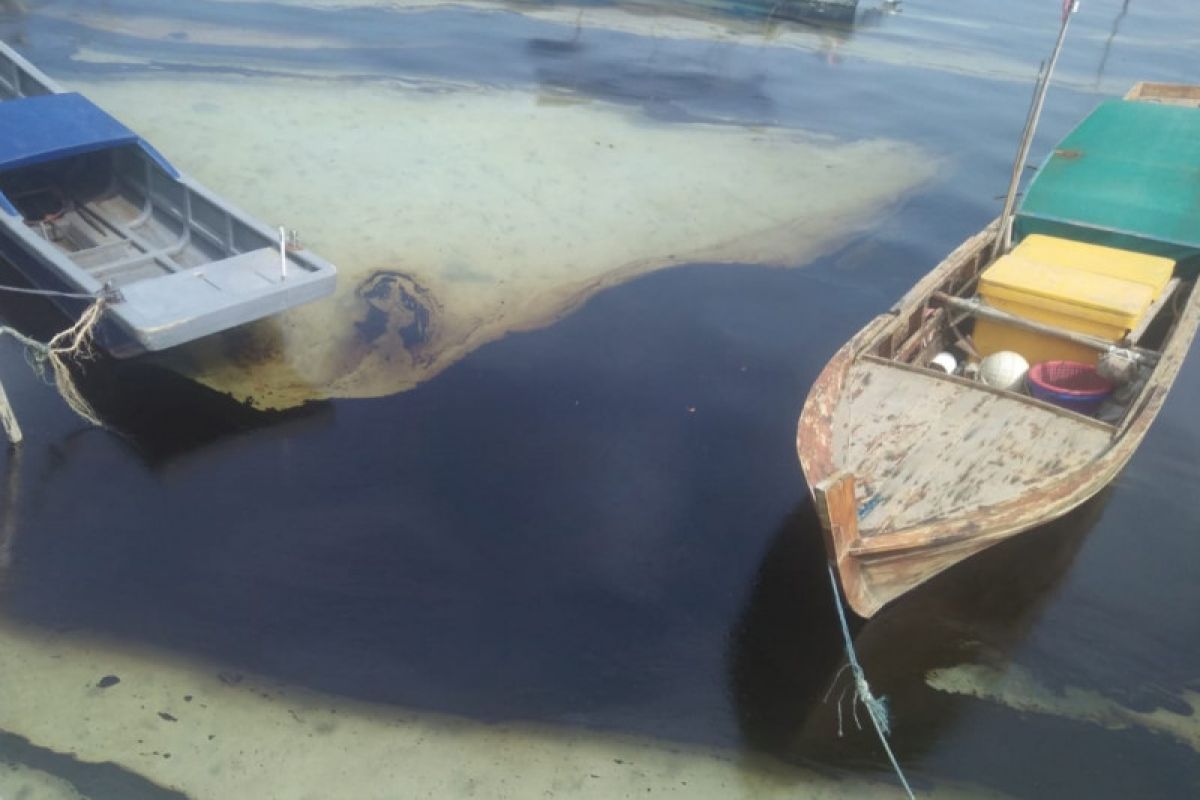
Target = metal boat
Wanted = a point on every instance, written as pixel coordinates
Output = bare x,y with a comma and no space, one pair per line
88,209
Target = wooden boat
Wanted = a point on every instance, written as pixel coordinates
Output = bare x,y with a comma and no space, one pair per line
912,469
840,12
89,208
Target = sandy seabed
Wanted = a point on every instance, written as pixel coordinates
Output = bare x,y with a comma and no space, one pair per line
459,214
211,733
1020,690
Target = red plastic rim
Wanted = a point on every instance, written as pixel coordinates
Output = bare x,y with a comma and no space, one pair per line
1069,378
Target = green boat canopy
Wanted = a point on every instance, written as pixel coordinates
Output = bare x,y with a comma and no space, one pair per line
1128,176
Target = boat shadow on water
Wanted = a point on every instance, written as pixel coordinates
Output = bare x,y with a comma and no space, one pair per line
158,413
787,666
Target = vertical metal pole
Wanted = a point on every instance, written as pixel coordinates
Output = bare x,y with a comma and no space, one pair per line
283,253
1004,235
9,419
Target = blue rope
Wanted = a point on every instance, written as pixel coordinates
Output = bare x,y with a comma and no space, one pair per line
876,706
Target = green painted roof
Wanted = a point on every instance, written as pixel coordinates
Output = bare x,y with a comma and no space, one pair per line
1128,175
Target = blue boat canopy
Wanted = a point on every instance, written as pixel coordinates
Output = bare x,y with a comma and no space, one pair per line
1128,176
48,127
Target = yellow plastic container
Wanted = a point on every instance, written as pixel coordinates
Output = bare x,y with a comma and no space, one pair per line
1154,271
1079,287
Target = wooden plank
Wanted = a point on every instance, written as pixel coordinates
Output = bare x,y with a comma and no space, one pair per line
836,507
837,510
938,375
920,338
924,449
1178,343
1164,297
957,272
1181,94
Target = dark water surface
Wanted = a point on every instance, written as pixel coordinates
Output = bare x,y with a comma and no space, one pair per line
602,523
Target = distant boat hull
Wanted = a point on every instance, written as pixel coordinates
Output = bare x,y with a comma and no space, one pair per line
841,12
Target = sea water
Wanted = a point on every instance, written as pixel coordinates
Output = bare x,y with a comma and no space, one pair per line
525,519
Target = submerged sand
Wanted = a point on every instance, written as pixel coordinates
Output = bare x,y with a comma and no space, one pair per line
22,782
212,733
1018,689
460,214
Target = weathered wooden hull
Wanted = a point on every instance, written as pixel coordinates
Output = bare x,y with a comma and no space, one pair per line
1170,93
878,565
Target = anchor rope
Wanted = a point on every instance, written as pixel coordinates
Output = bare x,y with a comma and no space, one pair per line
73,344
876,706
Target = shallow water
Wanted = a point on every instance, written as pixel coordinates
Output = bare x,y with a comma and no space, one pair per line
484,203
577,560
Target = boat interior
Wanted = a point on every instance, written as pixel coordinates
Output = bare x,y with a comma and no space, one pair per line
119,216
104,198
1104,262
936,325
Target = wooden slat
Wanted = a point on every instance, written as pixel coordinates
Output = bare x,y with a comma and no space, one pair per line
938,375
834,499
923,448
1164,297
1180,94
917,342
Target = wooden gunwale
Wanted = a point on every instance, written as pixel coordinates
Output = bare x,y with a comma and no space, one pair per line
813,441
1175,93
1151,316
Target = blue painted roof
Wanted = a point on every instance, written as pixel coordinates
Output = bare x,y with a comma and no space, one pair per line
34,130
44,128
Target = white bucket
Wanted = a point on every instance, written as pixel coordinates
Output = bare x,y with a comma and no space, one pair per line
945,362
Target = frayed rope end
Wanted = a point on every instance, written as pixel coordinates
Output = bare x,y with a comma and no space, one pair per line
75,344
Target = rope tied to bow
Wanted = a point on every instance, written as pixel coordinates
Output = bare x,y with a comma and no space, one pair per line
876,706
52,360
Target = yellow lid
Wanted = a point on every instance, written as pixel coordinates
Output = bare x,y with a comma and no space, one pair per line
1153,271
1066,290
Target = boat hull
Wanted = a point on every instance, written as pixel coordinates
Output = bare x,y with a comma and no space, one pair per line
88,209
877,566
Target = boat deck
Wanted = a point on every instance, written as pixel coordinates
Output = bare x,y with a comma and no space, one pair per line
116,241
927,447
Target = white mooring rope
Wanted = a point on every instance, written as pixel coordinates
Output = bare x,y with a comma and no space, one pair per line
73,344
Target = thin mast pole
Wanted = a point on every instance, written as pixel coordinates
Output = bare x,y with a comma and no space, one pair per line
1004,235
